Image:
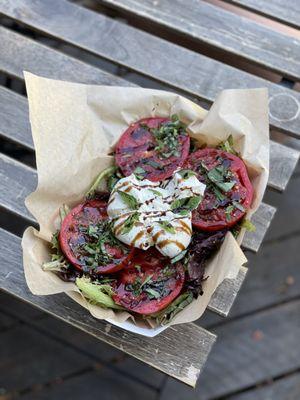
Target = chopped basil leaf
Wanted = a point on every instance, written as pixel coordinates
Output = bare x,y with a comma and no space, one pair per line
153,293
185,205
167,137
129,223
228,211
153,164
179,256
167,226
138,267
217,175
148,279
227,145
187,173
139,171
156,192
129,200
238,205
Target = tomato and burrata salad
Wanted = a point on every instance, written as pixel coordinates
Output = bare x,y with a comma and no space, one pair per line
141,238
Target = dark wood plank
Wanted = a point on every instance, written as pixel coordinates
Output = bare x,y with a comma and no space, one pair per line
161,352
19,54
101,352
29,358
14,125
94,385
237,35
272,278
6,322
287,12
248,351
283,161
126,46
262,220
14,118
287,388
286,222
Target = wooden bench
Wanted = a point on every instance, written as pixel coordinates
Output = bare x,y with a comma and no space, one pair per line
120,45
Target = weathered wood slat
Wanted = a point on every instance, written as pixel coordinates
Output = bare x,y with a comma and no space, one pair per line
18,181
283,159
287,11
223,298
261,219
248,351
271,279
163,352
188,71
237,35
285,388
19,53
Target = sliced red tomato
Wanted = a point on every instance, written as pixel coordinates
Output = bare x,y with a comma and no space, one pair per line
151,157
149,283
87,243
220,207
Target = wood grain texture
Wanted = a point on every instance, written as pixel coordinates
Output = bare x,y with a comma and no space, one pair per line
287,388
101,383
19,54
14,122
287,12
117,42
163,352
283,161
273,277
223,298
261,219
248,351
237,35
14,125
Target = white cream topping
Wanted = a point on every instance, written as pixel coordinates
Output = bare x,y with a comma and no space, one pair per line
151,221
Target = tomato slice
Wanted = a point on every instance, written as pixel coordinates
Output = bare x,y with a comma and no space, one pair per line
220,208
141,152
150,282
87,242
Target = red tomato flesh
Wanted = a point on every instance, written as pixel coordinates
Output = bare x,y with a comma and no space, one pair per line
137,147
149,283
74,236
215,212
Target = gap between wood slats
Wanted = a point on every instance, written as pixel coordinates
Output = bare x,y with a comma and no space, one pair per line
207,24
124,45
286,12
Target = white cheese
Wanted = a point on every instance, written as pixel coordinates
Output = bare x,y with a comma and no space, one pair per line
152,222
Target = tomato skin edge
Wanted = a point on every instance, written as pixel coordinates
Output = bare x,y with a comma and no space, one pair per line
65,248
154,176
241,170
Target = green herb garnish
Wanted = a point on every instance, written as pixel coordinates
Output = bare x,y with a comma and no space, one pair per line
156,192
129,223
185,205
218,175
167,226
248,225
98,183
129,200
227,145
187,173
167,137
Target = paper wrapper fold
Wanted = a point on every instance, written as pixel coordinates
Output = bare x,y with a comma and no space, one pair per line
76,126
